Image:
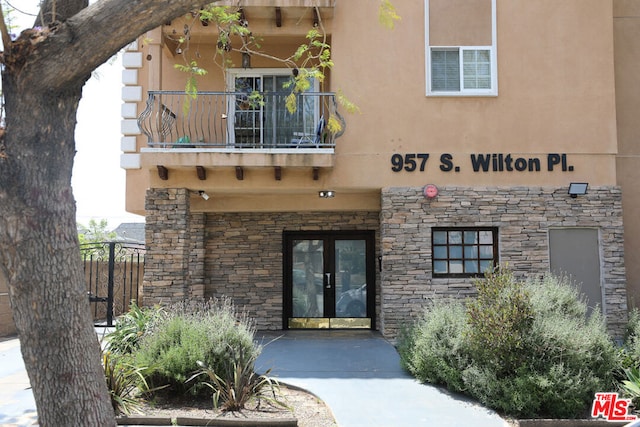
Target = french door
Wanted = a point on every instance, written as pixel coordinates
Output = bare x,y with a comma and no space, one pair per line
259,110
329,280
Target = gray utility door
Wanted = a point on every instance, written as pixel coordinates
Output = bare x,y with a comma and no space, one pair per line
575,252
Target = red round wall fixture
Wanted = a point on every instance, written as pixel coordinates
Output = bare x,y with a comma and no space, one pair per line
430,191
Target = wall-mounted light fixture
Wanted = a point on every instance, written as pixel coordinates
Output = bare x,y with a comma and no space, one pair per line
578,189
203,195
326,194
246,60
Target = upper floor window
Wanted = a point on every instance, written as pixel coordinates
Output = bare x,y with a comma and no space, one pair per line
464,252
461,47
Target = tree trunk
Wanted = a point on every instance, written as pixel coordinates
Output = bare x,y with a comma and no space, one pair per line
40,258
43,73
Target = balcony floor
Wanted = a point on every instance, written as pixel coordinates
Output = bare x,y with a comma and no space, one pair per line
221,157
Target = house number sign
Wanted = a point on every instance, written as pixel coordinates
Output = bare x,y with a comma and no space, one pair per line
490,162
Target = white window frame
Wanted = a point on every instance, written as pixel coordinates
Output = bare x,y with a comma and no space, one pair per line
232,73
493,53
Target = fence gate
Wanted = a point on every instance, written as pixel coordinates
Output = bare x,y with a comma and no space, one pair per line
113,272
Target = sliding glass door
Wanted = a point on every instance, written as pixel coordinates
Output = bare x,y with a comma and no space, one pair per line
260,117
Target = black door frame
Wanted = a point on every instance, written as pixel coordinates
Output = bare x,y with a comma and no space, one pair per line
331,236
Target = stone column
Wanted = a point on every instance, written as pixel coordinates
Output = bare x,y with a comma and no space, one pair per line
166,273
197,255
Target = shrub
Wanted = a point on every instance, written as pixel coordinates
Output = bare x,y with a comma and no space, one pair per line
208,331
564,333
500,320
632,340
130,328
234,392
629,373
525,349
433,350
630,386
124,381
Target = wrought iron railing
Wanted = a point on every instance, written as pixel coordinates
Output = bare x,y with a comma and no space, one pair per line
235,120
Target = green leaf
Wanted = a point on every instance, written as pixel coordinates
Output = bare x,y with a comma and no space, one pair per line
300,51
387,15
333,125
291,103
348,105
256,99
313,34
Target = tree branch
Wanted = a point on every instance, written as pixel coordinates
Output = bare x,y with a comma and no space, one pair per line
6,38
58,11
92,36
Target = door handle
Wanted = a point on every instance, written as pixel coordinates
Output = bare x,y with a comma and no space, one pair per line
328,286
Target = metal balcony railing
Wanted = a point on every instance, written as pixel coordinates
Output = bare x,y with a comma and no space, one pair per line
234,120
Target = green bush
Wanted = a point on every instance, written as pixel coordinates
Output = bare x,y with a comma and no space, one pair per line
130,327
524,349
208,331
630,386
631,347
628,375
234,392
434,350
500,320
125,382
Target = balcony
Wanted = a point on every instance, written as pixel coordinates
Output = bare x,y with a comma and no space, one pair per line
232,121
236,130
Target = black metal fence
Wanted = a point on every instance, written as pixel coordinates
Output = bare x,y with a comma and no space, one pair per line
113,273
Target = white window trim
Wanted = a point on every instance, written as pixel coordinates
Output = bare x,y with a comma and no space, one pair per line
493,50
232,73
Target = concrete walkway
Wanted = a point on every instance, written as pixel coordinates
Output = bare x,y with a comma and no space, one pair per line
17,406
358,375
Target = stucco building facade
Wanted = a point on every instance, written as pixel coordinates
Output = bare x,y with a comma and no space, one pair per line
475,117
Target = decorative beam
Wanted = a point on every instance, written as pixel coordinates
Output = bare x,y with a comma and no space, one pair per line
278,173
278,17
239,173
316,174
202,173
163,173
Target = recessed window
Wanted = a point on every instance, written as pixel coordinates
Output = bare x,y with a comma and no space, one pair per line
464,252
461,47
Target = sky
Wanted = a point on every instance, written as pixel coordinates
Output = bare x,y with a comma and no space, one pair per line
98,181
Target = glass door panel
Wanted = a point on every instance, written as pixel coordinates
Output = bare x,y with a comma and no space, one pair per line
277,124
351,278
266,122
248,114
308,278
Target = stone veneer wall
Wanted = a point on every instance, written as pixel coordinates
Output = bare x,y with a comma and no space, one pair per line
244,255
523,215
170,268
196,278
7,326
